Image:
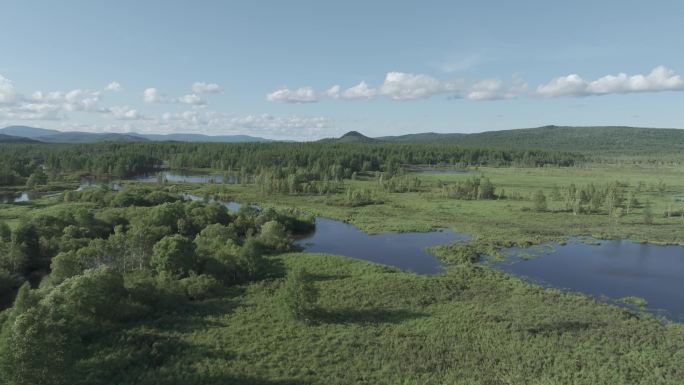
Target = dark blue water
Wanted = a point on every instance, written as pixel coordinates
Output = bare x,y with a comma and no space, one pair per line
406,251
615,269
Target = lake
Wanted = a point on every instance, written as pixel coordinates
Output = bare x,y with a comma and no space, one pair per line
406,251
614,269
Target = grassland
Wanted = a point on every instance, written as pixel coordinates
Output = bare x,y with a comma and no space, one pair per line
502,221
377,325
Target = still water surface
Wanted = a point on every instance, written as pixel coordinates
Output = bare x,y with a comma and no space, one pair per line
614,269
604,269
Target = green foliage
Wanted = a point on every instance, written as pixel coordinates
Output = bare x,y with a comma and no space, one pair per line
648,214
474,188
198,287
175,255
539,201
299,295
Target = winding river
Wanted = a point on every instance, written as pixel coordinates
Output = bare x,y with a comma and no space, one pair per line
610,270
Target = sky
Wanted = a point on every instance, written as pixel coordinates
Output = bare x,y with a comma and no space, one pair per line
304,70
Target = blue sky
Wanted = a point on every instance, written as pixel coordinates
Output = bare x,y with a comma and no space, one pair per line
311,69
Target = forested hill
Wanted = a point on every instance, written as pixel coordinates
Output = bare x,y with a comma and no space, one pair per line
610,139
14,139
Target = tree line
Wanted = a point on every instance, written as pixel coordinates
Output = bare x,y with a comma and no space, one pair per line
318,160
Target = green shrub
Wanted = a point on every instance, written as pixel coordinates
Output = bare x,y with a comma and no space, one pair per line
202,286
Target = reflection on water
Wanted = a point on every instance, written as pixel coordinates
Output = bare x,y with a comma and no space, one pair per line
406,251
615,269
12,197
186,177
93,182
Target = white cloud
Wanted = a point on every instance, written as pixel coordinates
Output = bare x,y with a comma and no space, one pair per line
359,91
212,122
74,100
659,79
404,86
114,87
299,95
334,91
496,89
8,94
570,85
152,95
33,111
192,99
125,113
206,88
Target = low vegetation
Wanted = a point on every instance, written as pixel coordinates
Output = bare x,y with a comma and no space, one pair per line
143,285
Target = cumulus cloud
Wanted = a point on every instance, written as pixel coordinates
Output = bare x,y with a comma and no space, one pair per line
659,79
404,86
334,91
7,92
206,88
152,95
396,86
125,113
212,122
74,100
192,99
299,95
32,111
114,87
360,91
570,85
496,89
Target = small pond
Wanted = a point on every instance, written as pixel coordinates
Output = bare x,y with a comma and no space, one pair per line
406,251
93,182
180,176
615,269
12,197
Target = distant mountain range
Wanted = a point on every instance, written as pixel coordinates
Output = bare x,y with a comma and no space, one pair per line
609,139
17,134
613,139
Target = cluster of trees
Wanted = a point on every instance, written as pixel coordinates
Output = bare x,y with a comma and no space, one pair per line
594,199
398,183
361,197
300,181
97,266
474,188
35,163
320,160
